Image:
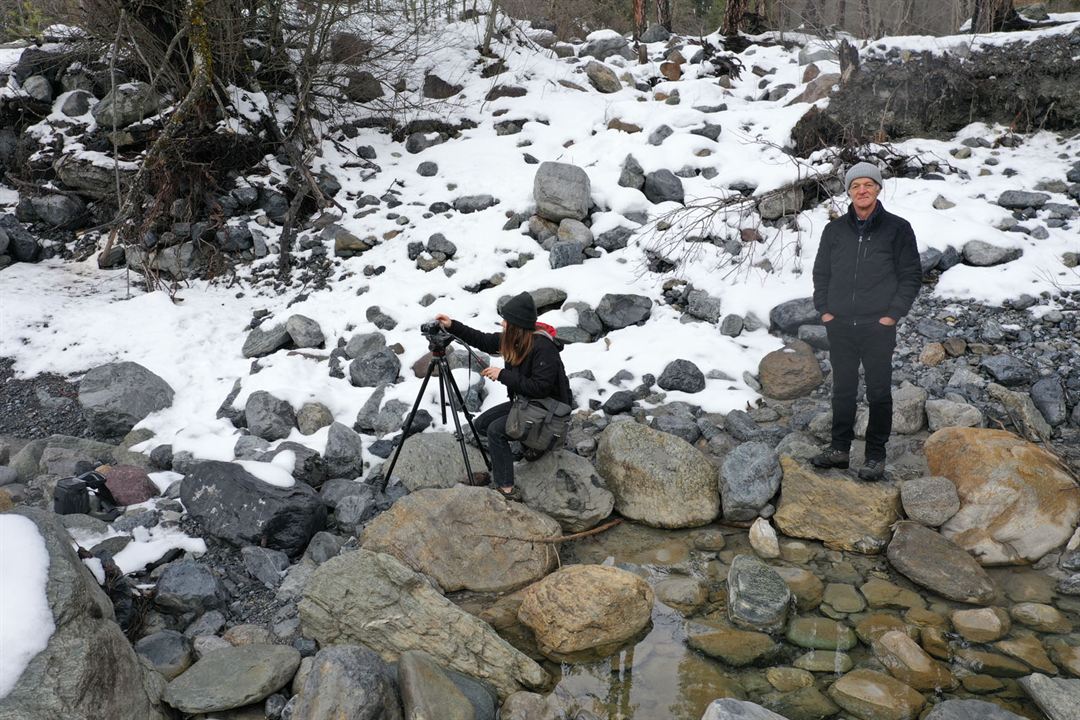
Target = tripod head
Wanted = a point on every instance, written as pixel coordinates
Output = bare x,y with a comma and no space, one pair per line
438,338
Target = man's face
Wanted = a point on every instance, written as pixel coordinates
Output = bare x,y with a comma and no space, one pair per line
863,193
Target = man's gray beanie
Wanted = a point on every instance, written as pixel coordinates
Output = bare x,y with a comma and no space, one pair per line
862,170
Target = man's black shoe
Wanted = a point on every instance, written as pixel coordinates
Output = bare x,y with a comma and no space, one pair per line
831,458
873,470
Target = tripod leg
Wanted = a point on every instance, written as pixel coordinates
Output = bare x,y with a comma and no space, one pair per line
442,395
444,371
468,418
409,420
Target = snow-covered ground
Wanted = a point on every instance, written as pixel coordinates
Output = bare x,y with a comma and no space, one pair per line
68,317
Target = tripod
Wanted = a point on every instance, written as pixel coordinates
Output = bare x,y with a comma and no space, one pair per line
438,345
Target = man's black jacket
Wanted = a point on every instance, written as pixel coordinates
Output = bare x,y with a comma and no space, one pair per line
870,276
540,374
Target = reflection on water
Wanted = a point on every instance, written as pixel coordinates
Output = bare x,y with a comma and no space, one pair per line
659,676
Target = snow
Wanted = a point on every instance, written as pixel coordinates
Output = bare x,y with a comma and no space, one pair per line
26,622
146,546
67,317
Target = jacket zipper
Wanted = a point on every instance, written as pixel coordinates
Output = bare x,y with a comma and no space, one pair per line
858,260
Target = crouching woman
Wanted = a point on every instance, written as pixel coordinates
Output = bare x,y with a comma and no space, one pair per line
532,368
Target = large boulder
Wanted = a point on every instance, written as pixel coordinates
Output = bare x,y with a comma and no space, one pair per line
819,507
603,44
93,175
561,190
790,372
466,538
233,677
928,559
269,417
116,396
373,599
586,607
749,477
344,452
433,460
234,505
87,670
657,478
617,311
347,682
1017,501
602,77
126,104
565,487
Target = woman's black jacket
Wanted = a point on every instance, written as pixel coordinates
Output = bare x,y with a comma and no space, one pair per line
539,375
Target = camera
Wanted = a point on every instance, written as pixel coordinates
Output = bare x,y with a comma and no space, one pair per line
437,336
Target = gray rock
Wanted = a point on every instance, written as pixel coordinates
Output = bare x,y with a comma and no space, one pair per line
427,690
605,47
260,342
347,682
344,452
1026,417
732,325
683,376
269,417
265,565
631,175
602,77
708,130
660,134
474,203
232,678
438,243
655,33
116,396
427,169
21,245
364,344
617,311
749,478
362,87
758,598
929,500
680,426
983,254
815,53
185,586
1057,697
237,507
619,401
353,510
88,669
788,317
946,413
970,710
561,191
304,331
38,88
663,186
571,230
433,460
438,89
1008,370
704,306
313,417
89,176
565,487
379,318
732,709
168,651
126,104
63,211
614,239
1049,397
788,202
1021,199
419,141
939,565
566,253
372,598
381,366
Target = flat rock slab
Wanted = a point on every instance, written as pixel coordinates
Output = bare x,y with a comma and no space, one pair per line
233,677
873,696
939,565
732,709
835,509
466,538
970,710
373,599
1057,697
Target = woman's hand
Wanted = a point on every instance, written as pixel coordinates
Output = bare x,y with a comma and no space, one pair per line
443,320
491,373
887,321
827,317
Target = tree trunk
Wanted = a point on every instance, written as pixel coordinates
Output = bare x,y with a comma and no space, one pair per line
663,13
639,18
841,13
733,16
490,29
990,15
864,12
812,16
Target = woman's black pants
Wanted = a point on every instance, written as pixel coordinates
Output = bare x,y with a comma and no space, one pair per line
492,424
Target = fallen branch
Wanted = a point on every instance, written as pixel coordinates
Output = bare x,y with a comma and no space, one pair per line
561,538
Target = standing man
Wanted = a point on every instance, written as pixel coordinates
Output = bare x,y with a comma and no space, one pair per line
866,276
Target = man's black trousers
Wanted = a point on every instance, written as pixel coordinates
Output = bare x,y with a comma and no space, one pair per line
870,344
492,423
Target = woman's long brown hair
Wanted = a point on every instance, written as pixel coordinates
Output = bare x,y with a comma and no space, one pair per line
515,344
